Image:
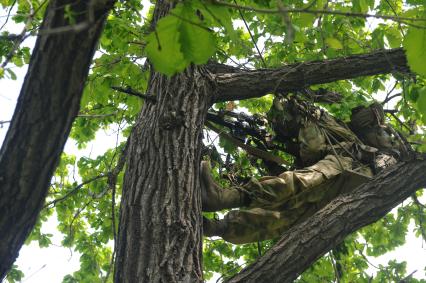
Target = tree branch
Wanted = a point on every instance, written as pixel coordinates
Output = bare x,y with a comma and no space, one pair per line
74,190
298,76
305,242
4,122
130,91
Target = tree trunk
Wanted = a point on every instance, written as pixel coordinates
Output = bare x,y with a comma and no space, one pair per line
160,219
304,243
47,105
160,230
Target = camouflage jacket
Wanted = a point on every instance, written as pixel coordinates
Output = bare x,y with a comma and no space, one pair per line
367,139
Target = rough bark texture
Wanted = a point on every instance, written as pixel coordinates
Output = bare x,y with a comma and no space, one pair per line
306,242
256,83
160,231
160,220
48,102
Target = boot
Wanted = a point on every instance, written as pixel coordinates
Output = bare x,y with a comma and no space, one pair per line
213,227
214,197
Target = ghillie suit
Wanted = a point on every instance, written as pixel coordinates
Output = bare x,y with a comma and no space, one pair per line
335,158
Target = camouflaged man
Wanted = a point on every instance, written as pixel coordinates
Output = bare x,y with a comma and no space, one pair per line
335,158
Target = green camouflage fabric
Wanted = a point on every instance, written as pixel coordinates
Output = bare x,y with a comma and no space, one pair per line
341,161
280,202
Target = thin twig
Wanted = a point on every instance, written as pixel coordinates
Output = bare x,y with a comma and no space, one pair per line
420,208
89,22
316,12
133,92
410,130
64,29
396,14
8,14
190,22
96,115
407,278
17,42
390,91
416,200
74,190
366,259
251,35
19,38
4,122
390,110
387,99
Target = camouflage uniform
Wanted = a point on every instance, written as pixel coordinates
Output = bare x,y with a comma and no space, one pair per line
278,202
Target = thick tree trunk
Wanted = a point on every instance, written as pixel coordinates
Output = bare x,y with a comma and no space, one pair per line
160,220
48,102
160,230
302,245
237,85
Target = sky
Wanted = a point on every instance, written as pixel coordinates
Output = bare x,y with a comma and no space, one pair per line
53,263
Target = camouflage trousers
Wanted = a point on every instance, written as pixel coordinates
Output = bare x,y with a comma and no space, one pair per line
280,202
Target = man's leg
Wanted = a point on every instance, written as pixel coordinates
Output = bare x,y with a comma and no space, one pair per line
280,202
268,192
214,197
246,226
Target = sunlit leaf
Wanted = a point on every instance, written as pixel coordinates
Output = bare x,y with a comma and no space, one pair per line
334,43
415,46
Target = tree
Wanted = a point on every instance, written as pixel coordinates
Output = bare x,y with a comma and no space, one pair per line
159,234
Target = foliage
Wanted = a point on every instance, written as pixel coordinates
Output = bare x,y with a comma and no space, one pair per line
195,32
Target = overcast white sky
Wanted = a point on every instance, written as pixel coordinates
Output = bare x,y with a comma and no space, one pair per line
53,263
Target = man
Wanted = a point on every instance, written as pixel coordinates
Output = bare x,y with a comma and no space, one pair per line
334,157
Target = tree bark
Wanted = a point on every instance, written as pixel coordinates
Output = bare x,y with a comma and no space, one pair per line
47,105
160,230
160,219
256,83
304,243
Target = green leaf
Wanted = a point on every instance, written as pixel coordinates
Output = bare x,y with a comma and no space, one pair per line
394,37
421,101
305,20
14,275
6,3
179,39
163,47
363,6
11,74
217,15
333,43
197,41
415,46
